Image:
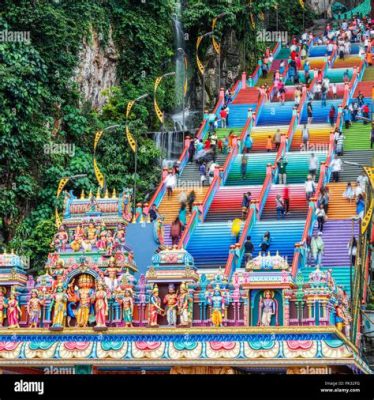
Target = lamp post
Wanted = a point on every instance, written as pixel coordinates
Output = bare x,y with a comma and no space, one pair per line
184,90
200,64
217,47
134,145
160,114
62,183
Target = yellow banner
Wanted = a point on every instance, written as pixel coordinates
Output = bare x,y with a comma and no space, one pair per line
216,46
130,139
367,218
302,4
199,63
159,113
97,138
57,218
61,185
129,107
98,174
253,23
185,76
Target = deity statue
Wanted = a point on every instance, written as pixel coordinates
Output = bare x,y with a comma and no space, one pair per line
58,272
60,239
171,306
3,306
267,308
101,306
78,238
59,310
217,303
339,317
73,300
128,307
90,233
154,308
126,201
86,245
14,312
86,298
120,236
34,308
112,281
93,206
109,243
101,234
185,304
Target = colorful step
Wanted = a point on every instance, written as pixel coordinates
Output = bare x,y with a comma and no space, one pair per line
339,207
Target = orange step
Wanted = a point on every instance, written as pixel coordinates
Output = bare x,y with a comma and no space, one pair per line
339,207
169,208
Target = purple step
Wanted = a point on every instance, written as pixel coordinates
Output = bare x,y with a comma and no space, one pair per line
336,236
167,237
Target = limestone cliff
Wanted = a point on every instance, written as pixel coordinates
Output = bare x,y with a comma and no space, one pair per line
97,68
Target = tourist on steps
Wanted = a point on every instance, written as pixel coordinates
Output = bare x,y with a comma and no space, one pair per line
336,167
332,113
183,215
248,249
349,193
246,201
243,166
265,243
286,199
352,250
170,183
321,217
282,173
310,112
175,231
317,246
279,204
190,200
310,188
305,137
277,139
360,206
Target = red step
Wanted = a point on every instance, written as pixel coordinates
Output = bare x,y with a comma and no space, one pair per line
247,96
365,88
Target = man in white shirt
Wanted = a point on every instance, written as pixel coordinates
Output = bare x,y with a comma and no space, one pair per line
336,167
313,166
310,187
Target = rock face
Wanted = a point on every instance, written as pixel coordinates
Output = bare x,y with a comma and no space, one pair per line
97,68
231,66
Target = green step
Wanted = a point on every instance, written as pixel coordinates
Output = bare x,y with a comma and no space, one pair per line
222,132
284,53
268,80
357,137
368,74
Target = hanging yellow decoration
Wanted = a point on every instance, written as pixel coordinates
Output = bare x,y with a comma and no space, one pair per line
61,185
99,175
57,218
130,139
185,76
97,138
159,113
216,45
199,63
302,4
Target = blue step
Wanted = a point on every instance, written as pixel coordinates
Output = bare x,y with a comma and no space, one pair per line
210,244
276,114
320,112
284,234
